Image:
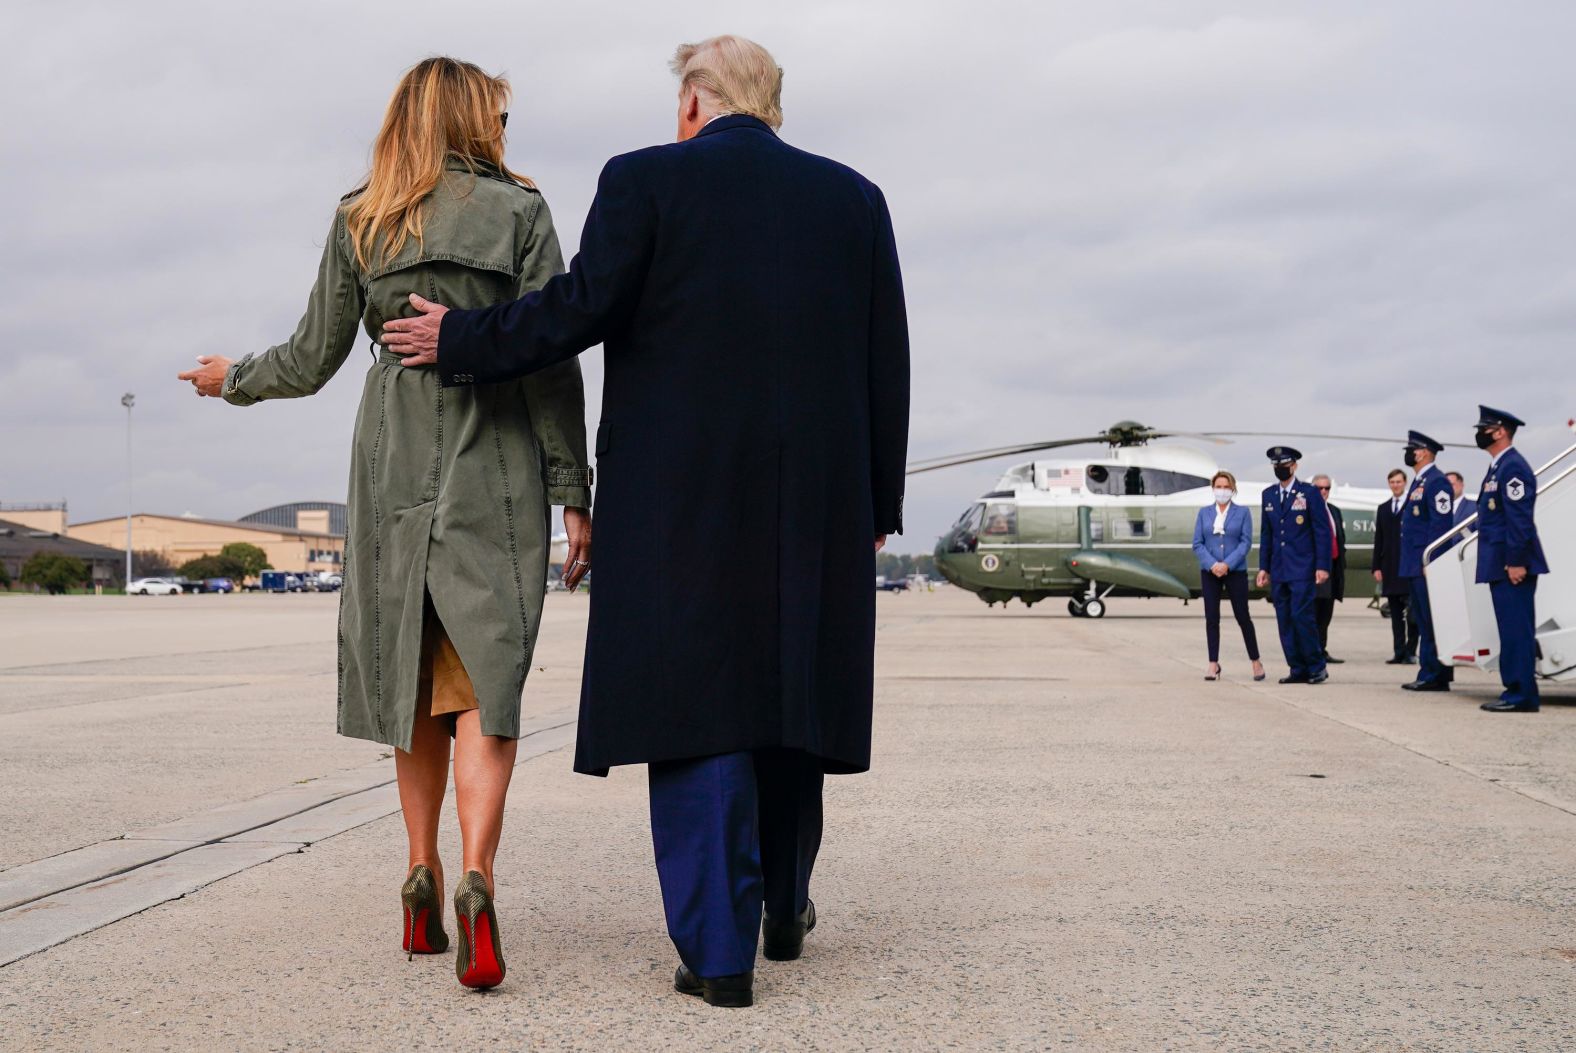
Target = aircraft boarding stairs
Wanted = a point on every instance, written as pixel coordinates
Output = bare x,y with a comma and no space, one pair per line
1463,612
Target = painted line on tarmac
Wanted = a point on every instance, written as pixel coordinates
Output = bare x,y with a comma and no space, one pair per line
49,901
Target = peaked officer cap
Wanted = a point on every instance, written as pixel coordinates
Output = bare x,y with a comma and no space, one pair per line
1283,454
1488,417
1416,440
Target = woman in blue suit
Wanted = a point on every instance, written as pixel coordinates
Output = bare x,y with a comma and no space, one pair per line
1222,536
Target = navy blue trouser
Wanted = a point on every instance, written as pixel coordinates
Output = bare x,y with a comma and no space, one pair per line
1515,613
732,833
1235,585
1429,667
1299,626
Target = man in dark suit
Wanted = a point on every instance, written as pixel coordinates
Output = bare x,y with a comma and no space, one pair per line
748,298
1295,553
1465,507
1387,571
1333,590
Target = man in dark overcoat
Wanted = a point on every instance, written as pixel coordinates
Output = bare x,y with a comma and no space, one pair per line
1396,590
748,298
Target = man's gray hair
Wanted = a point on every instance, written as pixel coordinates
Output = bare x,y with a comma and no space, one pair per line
732,75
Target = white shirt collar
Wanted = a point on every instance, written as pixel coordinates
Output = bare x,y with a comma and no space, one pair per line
1422,471
719,117
1495,459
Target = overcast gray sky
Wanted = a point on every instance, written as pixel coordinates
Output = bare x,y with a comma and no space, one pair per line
1343,216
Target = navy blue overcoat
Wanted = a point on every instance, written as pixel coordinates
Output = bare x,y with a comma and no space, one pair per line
752,442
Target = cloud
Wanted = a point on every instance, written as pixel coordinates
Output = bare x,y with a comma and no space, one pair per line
1196,213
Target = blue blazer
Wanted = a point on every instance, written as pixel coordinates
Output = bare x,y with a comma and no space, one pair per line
1425,518
1294,534
1507,528
1230,548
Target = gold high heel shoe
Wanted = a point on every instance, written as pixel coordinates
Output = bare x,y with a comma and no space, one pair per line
479,962
423,914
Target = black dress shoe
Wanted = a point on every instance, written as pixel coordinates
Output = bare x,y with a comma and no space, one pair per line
784,941
1399,659
1318,678
1500,706
1427,685
1292,680
729,992
1332,660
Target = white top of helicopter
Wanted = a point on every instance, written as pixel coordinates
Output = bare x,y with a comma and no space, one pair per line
1066,481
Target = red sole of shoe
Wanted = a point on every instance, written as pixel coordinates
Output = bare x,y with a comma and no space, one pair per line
485,970
415,941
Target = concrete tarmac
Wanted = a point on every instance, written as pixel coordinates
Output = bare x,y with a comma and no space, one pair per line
1069,840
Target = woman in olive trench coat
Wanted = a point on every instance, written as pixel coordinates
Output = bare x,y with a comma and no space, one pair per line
449,518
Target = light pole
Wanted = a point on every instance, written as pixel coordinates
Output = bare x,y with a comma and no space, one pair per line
128,400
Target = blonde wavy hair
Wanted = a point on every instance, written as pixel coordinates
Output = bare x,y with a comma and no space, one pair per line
736,74
442,107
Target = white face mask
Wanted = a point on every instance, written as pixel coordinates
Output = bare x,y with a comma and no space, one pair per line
1222,495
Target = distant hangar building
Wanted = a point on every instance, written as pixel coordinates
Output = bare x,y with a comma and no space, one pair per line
296,537
290,515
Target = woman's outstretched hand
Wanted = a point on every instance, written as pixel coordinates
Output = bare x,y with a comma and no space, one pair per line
208,378
577,524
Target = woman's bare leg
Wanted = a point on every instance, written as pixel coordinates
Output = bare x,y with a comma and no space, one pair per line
423,776
483,765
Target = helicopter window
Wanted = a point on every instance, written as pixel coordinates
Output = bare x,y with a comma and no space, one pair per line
1131,529
1000,520
965,532
1140,482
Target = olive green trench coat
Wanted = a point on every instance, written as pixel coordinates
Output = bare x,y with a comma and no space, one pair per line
449,489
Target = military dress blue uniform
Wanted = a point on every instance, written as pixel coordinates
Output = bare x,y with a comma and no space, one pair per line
1294,543
1508,537
1429,514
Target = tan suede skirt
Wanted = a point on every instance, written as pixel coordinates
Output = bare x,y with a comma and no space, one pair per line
442,683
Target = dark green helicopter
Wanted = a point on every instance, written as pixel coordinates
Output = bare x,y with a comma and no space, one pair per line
1117,524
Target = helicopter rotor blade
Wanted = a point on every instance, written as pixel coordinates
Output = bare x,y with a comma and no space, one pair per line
1344,438
931,464
1202,436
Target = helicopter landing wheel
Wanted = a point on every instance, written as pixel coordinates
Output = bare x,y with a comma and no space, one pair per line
1094,609
1075,608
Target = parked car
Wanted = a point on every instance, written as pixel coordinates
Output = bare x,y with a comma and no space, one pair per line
153,587
885,584
218,585
279,581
